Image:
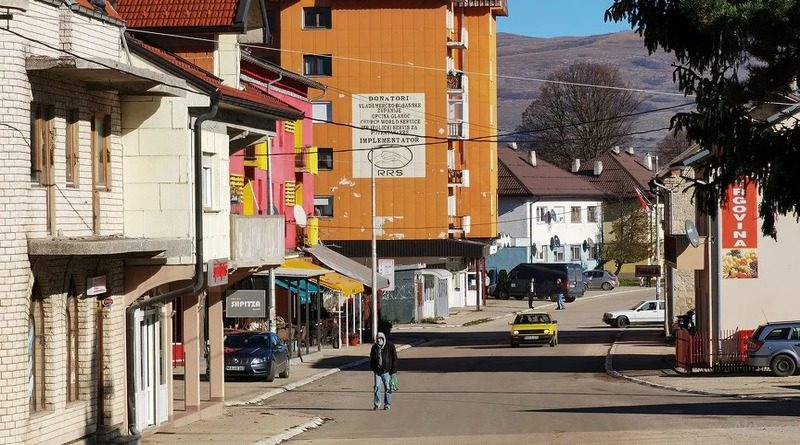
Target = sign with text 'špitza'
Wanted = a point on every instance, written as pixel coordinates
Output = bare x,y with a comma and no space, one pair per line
246,304
393,126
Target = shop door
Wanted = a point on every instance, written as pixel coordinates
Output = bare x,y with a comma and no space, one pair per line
149,371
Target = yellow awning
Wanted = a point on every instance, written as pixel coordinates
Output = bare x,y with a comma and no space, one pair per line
332,280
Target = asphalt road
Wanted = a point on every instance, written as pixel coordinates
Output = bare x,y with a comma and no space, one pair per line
466,385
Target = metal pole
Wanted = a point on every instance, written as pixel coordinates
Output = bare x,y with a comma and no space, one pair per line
658,249
272,327
374,251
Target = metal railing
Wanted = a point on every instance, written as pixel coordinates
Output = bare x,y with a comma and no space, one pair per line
702,353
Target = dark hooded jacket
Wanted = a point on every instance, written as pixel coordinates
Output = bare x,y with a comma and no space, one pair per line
388,357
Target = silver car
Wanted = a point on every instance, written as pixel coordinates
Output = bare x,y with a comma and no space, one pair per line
600,279
777,346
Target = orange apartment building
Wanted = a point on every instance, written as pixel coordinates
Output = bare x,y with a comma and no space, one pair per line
412,83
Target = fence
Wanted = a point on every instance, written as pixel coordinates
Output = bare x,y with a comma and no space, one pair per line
703,353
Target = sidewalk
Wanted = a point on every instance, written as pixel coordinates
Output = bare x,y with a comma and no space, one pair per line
644,357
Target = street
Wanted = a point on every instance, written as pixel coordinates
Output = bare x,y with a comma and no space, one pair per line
467,385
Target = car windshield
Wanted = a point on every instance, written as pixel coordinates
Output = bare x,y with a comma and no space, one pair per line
636,306
532,318
246,341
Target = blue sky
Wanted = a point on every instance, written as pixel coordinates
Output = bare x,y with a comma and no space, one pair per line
550,18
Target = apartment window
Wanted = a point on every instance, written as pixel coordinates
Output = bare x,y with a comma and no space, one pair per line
593,253
559,254
208,181
36,344
72,147
42,136
591,214
321,112
317,18
559,214
101,150
541,214
325,159
575,253
575,215
73,370
318,65
323,205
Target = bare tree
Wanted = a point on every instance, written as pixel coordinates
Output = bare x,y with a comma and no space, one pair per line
629,239
571,120
672,145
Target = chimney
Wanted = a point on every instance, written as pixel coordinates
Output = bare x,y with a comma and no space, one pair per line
630,150
598,168
532,158
615,150
648,162
576,165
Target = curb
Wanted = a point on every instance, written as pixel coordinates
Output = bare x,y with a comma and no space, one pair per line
312,378
609,368
291,432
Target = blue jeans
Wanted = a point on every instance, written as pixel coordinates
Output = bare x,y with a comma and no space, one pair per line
560,301
382,382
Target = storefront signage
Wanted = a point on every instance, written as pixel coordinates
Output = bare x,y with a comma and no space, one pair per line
107,302
246,304
739,216
96,285
217,272
645,271
386,270
388,131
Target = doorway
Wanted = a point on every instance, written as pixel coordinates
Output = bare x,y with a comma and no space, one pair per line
150,376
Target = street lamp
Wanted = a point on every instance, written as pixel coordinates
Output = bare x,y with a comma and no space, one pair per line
374,250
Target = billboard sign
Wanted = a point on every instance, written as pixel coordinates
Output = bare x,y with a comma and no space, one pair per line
246,304
739,216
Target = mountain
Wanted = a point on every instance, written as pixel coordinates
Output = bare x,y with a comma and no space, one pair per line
521,57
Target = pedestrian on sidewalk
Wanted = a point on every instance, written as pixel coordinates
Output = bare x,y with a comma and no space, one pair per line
559,294
531,292
383,361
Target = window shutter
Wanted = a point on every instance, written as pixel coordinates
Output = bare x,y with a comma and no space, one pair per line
313,160
289,188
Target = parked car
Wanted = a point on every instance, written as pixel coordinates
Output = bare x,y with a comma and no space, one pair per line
644,312
256,354
600,279
543,276
776,345
533,327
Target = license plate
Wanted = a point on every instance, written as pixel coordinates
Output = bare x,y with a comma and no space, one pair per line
234,368
531,337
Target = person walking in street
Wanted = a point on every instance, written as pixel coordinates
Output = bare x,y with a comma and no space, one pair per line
559,294
383,361
531,292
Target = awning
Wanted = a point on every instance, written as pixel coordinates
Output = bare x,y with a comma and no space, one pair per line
332,280
345,266
303,288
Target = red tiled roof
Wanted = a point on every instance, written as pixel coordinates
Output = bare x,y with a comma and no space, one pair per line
107,8
518,177
622,173
178,14
205,80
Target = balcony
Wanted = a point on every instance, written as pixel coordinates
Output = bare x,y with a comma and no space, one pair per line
457,178
301,159
461,43
455,81
503,4
257,240
457,130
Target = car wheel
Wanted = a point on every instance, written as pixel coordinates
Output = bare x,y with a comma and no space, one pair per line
503,295
783,366
271,372
623,322
607,286
285,373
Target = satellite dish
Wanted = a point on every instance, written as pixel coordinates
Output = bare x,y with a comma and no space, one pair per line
300,215
585,245
557,241
553,216
691,233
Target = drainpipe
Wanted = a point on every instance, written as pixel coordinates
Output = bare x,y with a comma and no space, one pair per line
199,276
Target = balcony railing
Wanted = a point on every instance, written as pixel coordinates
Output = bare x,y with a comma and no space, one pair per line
457,177
481,3
257,240
456,130
455,222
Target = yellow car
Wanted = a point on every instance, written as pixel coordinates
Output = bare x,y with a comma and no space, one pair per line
533,327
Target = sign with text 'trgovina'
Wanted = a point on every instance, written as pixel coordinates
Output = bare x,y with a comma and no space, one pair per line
739,215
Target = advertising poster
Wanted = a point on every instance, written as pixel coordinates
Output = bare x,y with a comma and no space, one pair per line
740,232
392,125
